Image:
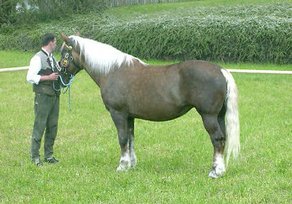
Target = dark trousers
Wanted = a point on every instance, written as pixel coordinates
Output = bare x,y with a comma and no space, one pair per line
46,109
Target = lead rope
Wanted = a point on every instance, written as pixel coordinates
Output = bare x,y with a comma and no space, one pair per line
69,98
68,88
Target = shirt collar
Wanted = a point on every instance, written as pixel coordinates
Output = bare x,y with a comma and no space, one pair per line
48,54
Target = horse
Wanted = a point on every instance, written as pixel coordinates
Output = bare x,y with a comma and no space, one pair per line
133,89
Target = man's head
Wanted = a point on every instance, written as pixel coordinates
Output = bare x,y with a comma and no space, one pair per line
49,42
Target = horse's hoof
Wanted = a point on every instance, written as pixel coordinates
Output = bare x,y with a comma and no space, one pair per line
124,166
133,163
217,172
213,174
121,169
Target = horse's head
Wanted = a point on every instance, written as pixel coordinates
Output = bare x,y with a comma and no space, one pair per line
70,56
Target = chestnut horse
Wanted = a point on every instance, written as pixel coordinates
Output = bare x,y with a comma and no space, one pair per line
133,89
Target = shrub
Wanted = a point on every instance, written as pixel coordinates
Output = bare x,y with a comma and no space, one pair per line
241,33
31,12
259,33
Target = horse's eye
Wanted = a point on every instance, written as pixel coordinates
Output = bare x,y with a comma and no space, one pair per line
71,58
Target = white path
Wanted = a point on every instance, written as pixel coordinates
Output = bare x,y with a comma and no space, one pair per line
247,71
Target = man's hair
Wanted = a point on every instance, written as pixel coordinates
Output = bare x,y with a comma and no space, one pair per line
47,38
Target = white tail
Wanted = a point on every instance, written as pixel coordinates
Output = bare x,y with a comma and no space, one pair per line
232,145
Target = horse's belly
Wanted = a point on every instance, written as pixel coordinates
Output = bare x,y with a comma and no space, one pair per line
157,112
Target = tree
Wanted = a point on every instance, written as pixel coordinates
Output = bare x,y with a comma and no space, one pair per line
7,11
28,11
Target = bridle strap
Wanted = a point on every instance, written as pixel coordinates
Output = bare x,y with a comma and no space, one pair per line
62,70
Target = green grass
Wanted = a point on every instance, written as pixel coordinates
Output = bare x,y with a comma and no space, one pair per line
174,157
17,58
14,58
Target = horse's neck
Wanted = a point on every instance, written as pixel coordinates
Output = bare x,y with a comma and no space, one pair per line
99,77
96,77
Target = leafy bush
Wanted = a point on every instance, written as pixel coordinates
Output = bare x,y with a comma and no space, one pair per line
113,3
258,33
56,9
237,33
31,12
7,11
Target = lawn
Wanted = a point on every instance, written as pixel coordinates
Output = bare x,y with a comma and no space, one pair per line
14,58
174,157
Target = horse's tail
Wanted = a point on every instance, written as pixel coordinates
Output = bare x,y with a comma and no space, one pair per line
232,145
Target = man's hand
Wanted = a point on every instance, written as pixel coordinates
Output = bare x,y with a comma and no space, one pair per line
52,77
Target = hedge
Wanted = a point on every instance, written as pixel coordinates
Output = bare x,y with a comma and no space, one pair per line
235,34
113,3
260,33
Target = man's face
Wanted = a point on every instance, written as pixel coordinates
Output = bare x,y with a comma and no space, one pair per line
53,44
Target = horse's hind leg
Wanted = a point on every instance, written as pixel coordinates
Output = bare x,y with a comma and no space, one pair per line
211,123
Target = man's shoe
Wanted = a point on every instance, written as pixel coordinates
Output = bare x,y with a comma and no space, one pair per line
37,162
51,160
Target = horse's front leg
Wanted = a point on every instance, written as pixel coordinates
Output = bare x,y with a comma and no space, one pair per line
122,124
131,142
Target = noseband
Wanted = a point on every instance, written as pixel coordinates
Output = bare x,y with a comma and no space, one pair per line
62,73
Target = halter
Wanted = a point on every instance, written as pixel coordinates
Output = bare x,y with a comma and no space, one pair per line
67,60
66,86
62,71
63,66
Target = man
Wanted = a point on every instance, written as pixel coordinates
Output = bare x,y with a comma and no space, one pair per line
42,75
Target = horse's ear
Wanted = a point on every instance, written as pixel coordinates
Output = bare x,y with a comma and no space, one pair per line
77,33
67,41
65,38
